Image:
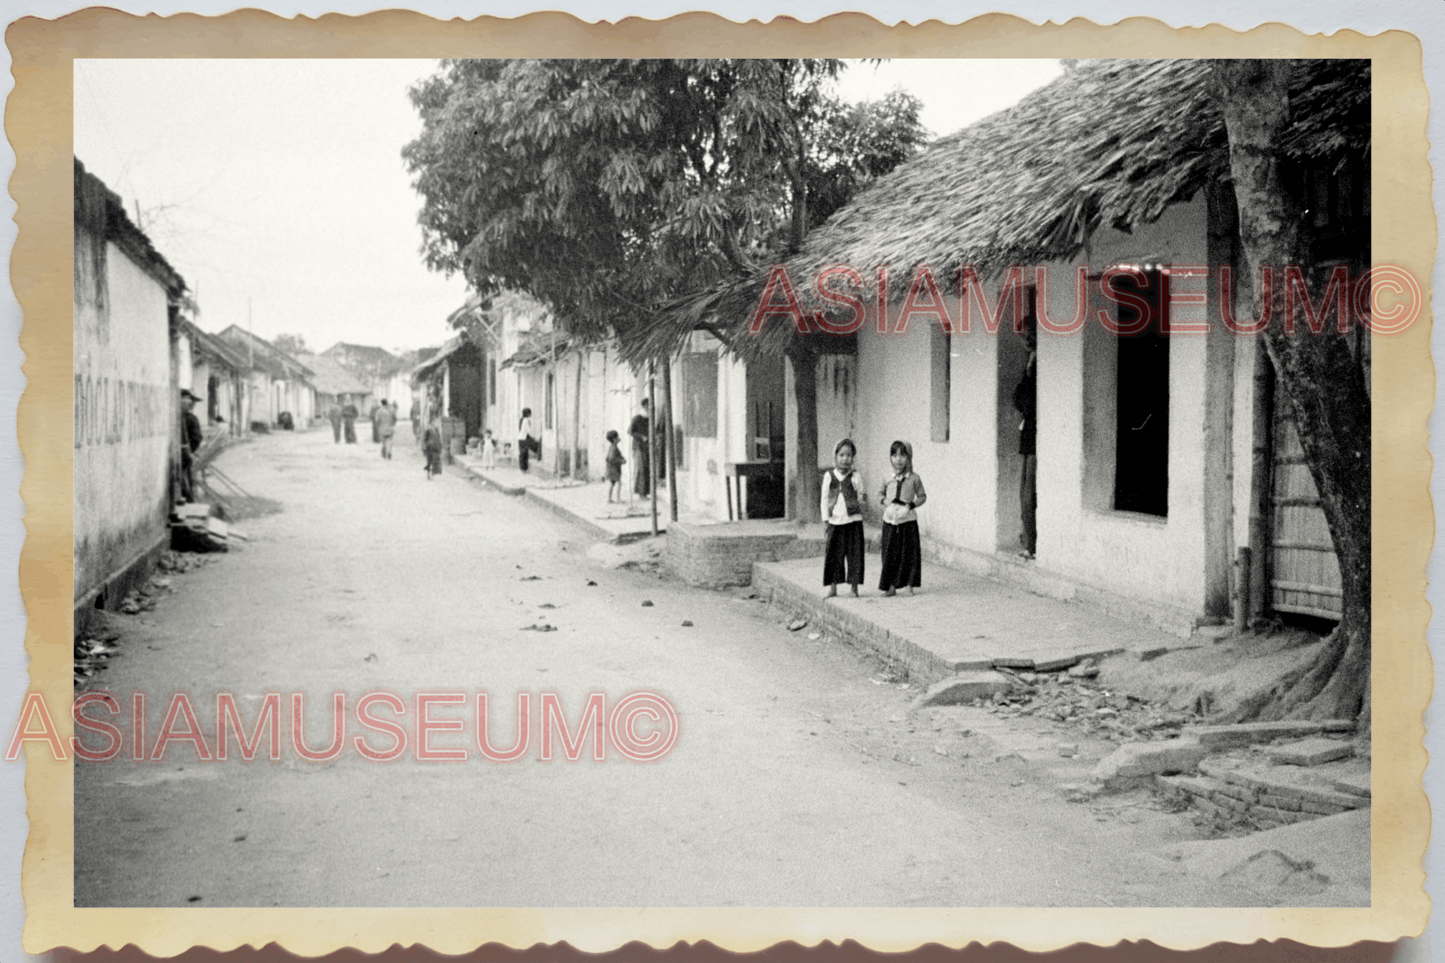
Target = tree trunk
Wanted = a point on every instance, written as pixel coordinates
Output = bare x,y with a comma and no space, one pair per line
802,494
1321,378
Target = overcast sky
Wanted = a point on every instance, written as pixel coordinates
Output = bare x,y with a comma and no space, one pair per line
276,187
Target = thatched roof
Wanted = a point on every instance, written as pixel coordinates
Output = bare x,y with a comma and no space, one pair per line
1111,143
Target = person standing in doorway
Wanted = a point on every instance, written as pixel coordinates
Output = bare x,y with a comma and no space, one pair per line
349,414
191,438
415,418
1026,401
524,439
641,464
333,415
385,421
842,508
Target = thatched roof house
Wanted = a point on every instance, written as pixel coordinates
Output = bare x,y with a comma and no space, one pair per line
1109,143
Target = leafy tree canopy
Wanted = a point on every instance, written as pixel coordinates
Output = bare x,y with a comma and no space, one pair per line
607,187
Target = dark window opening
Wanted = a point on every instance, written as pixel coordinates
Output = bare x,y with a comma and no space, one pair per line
1141,467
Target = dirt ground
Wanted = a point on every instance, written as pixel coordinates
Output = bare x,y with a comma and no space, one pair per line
799,776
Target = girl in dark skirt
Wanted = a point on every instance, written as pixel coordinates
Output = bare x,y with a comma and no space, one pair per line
842,508
901,496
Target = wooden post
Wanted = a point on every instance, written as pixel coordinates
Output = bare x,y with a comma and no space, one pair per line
669,443
652,443
1241,589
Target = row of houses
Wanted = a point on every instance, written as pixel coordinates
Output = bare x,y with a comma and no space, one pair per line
137,346
1160,454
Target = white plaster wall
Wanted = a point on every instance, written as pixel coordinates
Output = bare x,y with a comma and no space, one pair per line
893,404
126,414
1156,559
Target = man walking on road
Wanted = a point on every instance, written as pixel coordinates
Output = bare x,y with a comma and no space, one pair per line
191,438
333,414
384,422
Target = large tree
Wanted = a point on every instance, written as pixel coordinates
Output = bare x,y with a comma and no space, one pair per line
614,190
1322,377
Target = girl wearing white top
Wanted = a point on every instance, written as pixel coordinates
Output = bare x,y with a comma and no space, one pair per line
842,509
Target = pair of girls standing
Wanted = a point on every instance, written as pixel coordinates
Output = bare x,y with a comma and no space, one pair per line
842,511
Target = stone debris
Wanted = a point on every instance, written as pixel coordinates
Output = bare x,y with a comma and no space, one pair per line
1272,873
1068,749
1088,669
539,627
797,625
1310,752
687,623
1081,703
966,687
195,529
1127,765
1244,733
647,603
1356,784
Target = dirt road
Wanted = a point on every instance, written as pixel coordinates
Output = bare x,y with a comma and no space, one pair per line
798,778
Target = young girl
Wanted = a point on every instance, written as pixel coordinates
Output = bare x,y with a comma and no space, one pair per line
842,508
615,461
900,496
431,445
489,449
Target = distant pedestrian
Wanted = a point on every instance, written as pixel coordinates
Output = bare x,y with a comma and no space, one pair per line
375,433
525,441
902,550
615,461
349,414
385,422
489,449
415,418
842,509
333,414
641,463
431,446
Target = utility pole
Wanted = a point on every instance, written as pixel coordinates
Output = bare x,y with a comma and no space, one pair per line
652,443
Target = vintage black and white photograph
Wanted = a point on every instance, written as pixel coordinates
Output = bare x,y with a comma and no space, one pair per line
724,483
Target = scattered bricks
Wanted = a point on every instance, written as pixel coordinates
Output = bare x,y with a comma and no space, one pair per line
1323,809
965,687
1356,784
1147,759
1278,801
1230,803
1310,752
1327,797
1242,734
1244,794
1209,808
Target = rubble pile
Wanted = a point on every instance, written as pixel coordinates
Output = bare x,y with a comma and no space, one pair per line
92,653
1073,698
194,528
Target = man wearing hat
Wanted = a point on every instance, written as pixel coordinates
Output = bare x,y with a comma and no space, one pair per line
190,442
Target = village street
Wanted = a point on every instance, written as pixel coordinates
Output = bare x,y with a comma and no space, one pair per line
799,777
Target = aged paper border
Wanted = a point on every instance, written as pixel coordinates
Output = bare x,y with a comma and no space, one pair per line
38,123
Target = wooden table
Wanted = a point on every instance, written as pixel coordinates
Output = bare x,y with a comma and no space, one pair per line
747,469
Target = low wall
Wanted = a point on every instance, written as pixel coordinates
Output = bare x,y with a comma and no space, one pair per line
720,556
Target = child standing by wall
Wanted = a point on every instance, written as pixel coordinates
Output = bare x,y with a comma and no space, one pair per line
615,461
842,508
901,495
489,449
